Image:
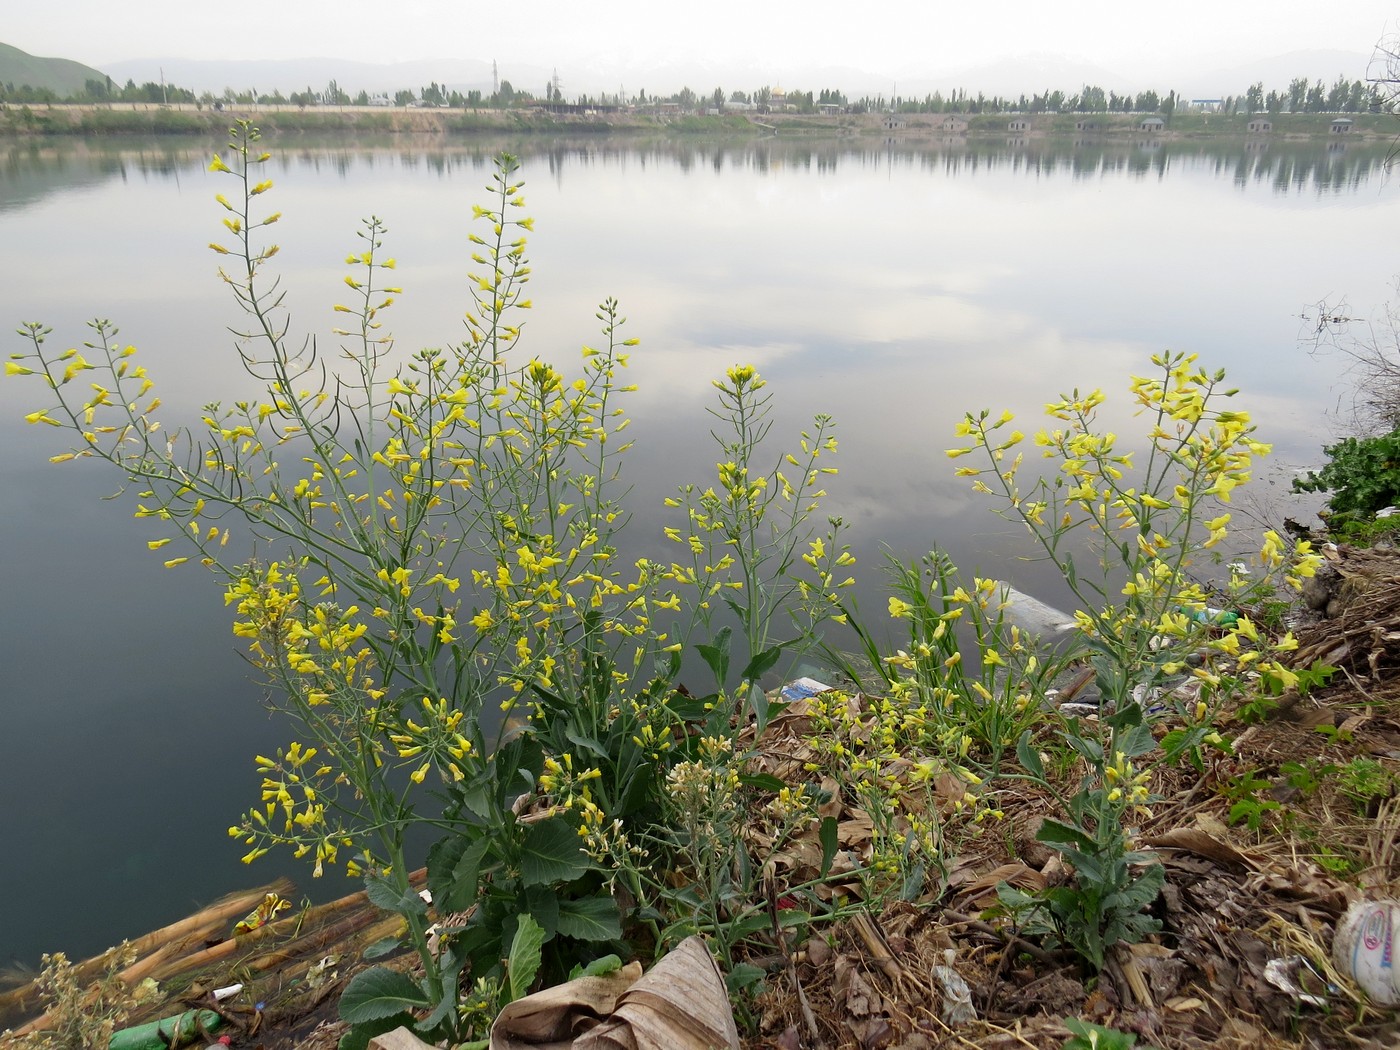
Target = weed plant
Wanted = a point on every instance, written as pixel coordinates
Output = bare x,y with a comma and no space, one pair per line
444,609
1149,526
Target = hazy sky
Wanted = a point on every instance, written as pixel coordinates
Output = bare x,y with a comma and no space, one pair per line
909,37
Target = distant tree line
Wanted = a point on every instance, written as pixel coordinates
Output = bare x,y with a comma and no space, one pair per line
1344,96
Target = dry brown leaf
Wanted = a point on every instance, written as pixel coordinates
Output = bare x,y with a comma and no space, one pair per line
973,895
1203,844
554,1017
681,1004
399,1039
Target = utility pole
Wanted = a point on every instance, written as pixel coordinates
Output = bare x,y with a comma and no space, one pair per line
495,79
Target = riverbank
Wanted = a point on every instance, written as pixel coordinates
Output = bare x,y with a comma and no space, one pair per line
129,119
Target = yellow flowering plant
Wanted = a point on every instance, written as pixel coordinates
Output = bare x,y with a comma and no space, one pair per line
748,551
977,704
1148,526
441,605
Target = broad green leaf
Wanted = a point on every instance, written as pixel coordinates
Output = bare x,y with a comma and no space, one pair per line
762,781
359,1035
465,882
716,655
1054,833
550,852
379,992
523,962
590,919
384,894
763,662
383,946
542,904
443,856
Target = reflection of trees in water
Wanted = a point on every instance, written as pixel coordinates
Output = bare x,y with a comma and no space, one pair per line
32,169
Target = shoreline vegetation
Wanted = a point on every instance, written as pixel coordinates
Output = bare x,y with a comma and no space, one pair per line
116,119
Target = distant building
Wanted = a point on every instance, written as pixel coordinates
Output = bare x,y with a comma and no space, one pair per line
1259,126
954,125
1341,126
1086,125
829,109
1018,124
1152,124
1208,105
892,122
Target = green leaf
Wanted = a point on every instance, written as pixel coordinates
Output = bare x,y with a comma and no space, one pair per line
550,852
1029,757
383,946
590,919
586,743
523,962
743,976
443,856
378,993
827,834
359,1035
1054,833
716,655
542,905
597,968
762,663
762,781
385,895
465,884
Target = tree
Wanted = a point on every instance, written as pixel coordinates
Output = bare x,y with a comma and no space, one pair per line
1168,106
1337,97
718,98
1092,100
404,97
1274,103
686,98
1254,97
333,96
1316,101
1297,94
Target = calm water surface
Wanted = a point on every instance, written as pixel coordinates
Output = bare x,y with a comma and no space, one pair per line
889,284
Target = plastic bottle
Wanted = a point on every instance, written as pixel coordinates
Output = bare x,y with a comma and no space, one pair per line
176,1030
1365,948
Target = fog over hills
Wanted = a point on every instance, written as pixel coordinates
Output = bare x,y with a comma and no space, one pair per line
652,72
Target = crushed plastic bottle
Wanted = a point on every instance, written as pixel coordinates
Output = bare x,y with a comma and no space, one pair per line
1364,948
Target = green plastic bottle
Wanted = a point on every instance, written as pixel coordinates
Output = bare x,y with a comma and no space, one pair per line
175,1031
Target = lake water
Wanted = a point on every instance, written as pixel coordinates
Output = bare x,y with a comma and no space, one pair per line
891,284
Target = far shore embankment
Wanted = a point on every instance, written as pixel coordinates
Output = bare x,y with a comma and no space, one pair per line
190,119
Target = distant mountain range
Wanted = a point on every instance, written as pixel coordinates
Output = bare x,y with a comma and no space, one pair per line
1027,74
62,76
